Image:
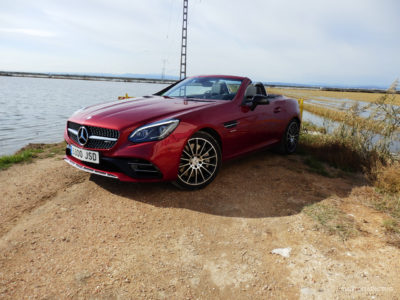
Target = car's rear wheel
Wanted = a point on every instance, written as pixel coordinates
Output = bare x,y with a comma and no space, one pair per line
290,138
199,163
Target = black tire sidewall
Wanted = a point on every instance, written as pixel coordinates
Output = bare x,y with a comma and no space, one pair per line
284,143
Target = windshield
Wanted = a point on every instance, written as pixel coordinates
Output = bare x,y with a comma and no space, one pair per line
216,88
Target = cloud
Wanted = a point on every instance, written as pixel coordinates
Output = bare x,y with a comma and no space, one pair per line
28,31
277,40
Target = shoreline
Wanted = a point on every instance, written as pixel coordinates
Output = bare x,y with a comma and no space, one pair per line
31,151
86,77
171,81
30,145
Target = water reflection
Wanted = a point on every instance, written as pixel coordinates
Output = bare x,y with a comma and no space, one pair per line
34,110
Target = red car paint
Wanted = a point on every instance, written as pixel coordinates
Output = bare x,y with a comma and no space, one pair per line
258,128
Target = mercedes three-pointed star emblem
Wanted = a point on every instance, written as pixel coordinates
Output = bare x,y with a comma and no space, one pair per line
83,136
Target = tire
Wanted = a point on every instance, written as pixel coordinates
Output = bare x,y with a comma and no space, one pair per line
290,138
200,162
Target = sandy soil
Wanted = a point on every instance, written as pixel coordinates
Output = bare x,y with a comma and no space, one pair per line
68,234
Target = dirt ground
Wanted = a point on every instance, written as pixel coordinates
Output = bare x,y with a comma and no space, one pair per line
67,234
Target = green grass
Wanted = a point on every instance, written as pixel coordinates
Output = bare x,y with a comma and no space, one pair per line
391,226
24,156
388,203
31,151
332,220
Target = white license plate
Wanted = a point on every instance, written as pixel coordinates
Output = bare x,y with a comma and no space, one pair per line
85,155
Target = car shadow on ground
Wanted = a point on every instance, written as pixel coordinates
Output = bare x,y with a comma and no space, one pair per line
264,184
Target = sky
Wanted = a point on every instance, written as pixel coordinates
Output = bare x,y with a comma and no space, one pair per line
308,42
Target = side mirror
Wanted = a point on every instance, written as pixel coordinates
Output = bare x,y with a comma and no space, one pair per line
259,100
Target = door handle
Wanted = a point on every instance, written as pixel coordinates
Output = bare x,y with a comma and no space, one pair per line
277,109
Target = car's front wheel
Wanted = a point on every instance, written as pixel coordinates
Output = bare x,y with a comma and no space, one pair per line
199,163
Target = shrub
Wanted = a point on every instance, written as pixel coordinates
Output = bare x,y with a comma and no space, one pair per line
353,145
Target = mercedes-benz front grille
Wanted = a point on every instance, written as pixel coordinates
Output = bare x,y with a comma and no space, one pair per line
98,138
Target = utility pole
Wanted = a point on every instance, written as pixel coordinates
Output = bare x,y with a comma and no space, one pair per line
182,74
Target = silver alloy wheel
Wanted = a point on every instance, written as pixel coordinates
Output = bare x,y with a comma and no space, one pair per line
292,136
198,163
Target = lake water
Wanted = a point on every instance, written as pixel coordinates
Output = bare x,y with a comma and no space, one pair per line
35,110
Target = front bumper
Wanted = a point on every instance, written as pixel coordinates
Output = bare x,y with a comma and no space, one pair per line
147,162
125,169
89,170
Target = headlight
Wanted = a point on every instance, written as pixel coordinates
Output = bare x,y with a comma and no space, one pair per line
153,132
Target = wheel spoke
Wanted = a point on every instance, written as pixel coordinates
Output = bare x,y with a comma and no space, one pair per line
207,151
201,173
191,173
184,151
191,149
206,170
198,163
187,169
210,157
202,148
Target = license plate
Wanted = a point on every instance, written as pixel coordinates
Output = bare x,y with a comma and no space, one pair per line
85,155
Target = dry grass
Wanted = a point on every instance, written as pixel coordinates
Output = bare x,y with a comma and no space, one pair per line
389,204
326,148
341,116
312,93
352,154
391,226
352,143
387,177
332,219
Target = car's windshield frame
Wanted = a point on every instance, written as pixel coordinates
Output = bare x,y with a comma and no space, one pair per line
209,88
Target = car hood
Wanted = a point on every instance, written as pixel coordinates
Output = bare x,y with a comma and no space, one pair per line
126,113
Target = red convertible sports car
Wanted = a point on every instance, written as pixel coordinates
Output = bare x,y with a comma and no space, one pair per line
182,133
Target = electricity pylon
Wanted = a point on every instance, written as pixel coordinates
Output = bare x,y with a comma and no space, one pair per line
182,74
